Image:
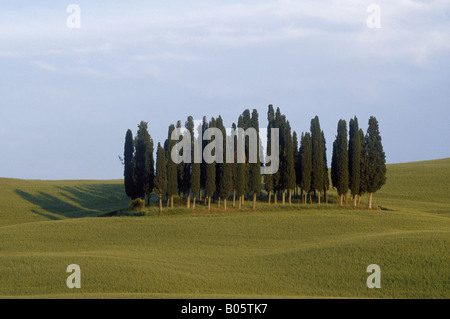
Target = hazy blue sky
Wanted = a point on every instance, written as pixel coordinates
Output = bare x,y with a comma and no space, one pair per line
67,96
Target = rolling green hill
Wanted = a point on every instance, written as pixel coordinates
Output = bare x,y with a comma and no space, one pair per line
299,251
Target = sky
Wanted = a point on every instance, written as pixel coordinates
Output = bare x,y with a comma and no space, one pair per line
69,91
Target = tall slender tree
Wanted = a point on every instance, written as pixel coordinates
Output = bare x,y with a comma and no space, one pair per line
326,179
210,184
268,178
296,160
354,158
317,181
224,176
128,158
255,168
143,169
195,175
172,180
240,167
342,160
305,163
376,159
364,179
290,165
334,167
161,175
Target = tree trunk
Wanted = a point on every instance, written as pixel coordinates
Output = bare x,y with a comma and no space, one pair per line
275,197
189,201
193,202
310,198
290,196
254,200
234,198
283,197
209,203
340,199
240,201
171,201
270,195
370,200
225,203
318,197
200,195
218,203
160,204
168,201
354,200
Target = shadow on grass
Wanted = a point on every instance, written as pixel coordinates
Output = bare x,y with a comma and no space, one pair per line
77,201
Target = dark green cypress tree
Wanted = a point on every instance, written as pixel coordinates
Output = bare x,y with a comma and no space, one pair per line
180,170
203,163
255,168
225,180
326,179
195,177
246,124
305,163
290,166
128,158
240,168
376,159
268,178
189,125
296,160
363,181
278,177
317,182
161,175
142,171
354,158
210,184
234,164
342,160
334,179
172,176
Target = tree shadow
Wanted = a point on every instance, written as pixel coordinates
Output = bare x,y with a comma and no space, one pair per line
77,201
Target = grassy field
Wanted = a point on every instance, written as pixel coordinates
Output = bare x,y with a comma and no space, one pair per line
296,251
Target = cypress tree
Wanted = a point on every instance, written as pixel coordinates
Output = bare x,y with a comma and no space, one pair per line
342,159
317,180
210,183
354,158
363,181
277,178
143,174
290,166
128,163
224,177
189,125
195,177
376,159
234,164
203,143
240,168
296,159
268,178
246,124
326,179
255,168
334,169
161,175
305,163
181,187
172,176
